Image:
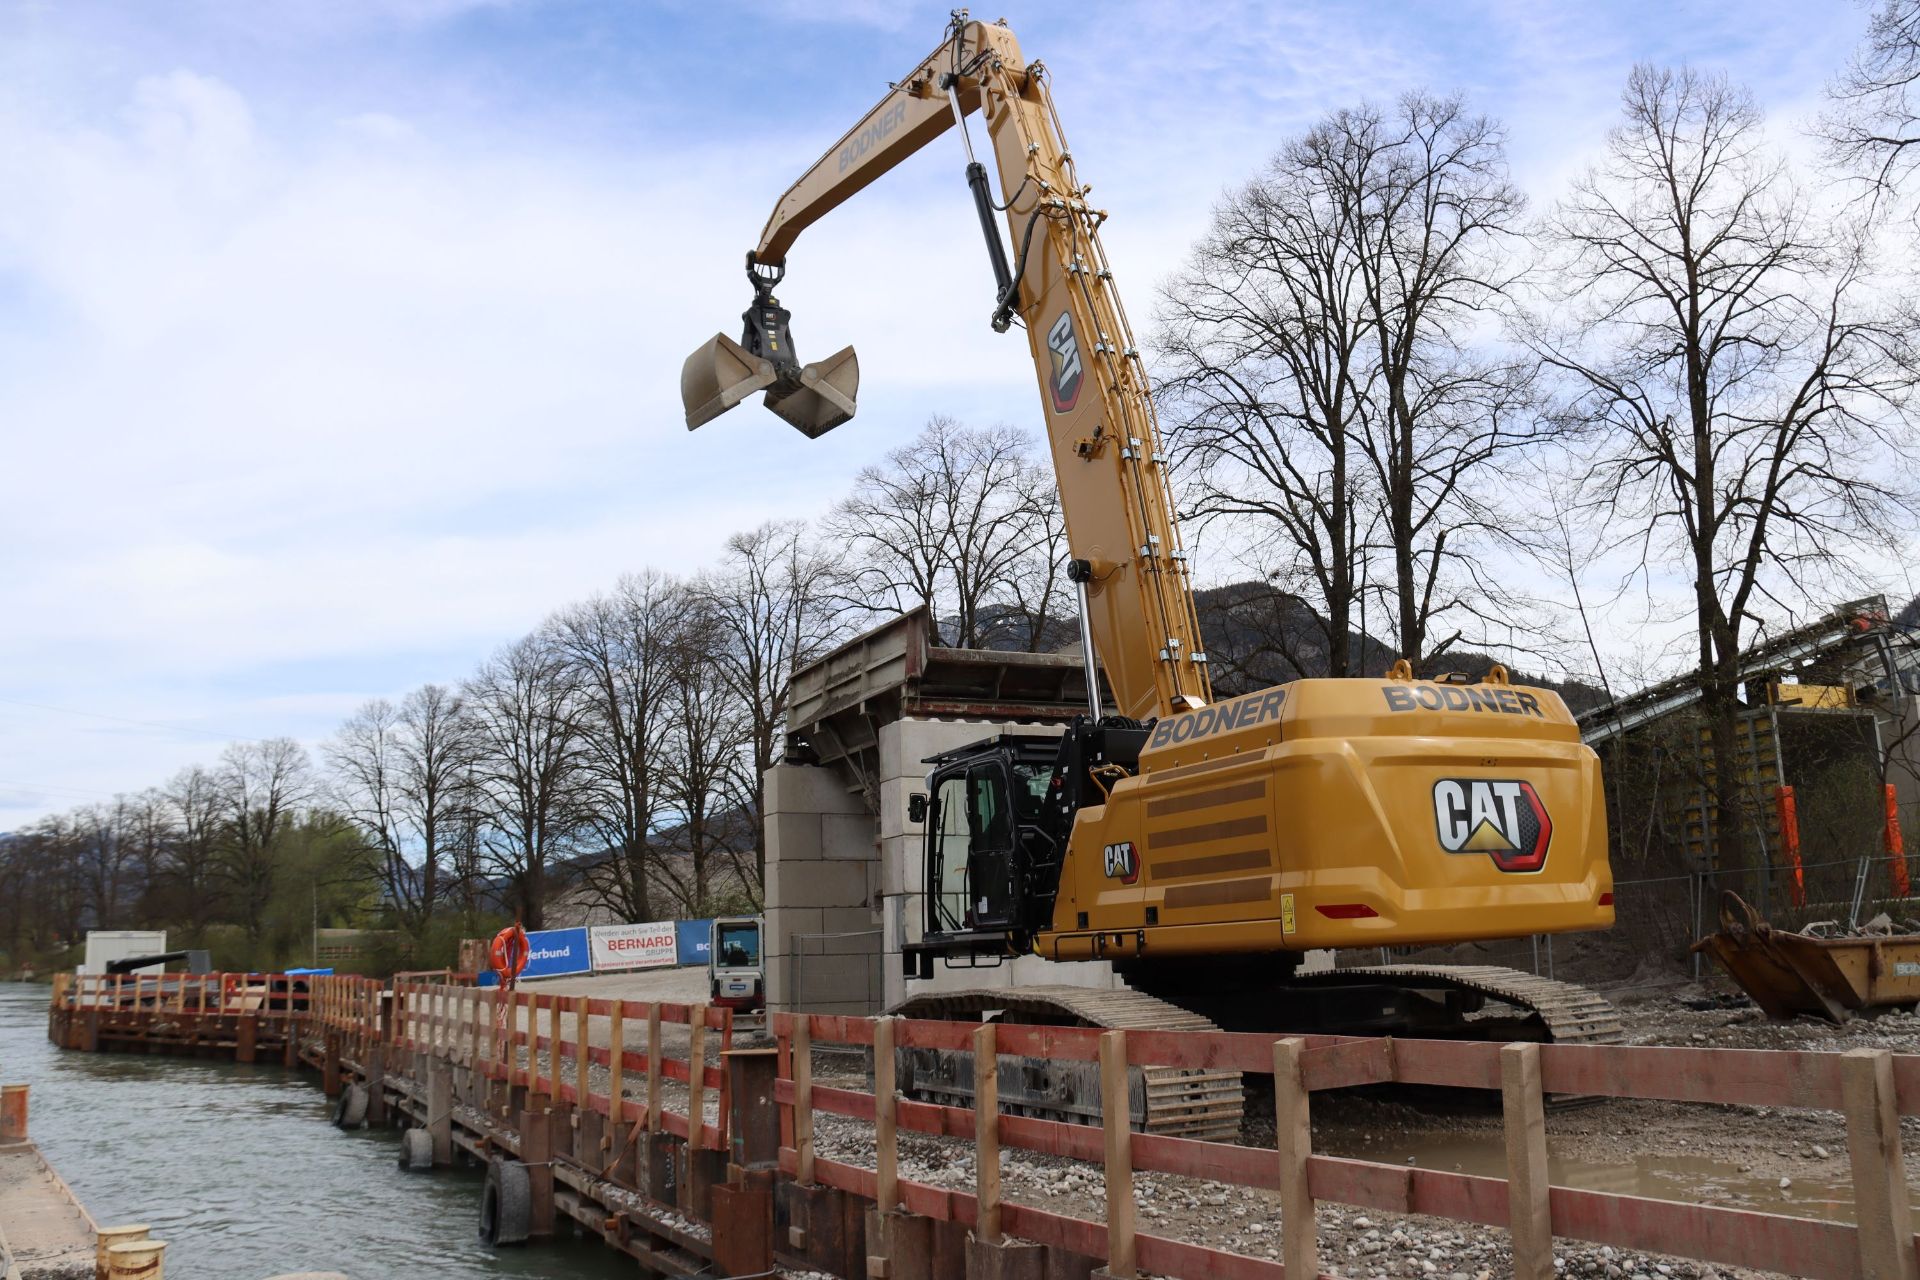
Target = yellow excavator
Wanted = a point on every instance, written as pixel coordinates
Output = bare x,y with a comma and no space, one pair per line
1200,847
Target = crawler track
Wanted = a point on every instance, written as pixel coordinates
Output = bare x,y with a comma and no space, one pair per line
1566,1014
1209,1104
1168,1100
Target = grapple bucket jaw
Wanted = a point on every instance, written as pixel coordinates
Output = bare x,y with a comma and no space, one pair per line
823,396
719,375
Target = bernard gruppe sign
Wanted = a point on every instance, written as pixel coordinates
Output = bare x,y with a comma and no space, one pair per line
634,946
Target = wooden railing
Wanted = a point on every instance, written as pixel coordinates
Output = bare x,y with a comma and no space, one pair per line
502,1035
1872,1087
197,993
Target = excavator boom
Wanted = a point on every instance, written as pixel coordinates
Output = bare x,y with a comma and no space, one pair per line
1099,413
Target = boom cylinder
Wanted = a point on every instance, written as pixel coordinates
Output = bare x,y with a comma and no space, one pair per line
983,205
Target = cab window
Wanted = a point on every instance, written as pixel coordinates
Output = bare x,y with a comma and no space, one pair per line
739,945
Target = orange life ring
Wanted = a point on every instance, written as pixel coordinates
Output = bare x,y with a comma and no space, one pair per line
509,953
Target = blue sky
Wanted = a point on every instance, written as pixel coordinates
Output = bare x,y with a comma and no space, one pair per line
339,339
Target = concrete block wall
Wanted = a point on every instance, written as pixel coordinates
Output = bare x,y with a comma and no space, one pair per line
823,872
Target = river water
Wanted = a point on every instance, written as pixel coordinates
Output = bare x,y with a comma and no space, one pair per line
238,1170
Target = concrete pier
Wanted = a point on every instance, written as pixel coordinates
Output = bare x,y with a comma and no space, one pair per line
45,1233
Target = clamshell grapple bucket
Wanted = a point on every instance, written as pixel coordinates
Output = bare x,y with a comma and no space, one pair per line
720,373
824,397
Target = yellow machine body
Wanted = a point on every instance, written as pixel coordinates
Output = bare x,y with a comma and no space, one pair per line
1319,814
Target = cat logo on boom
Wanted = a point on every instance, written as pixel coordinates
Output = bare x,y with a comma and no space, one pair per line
1064,346
1504,820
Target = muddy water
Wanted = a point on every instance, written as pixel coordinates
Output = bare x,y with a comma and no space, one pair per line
1694,1179
237,1168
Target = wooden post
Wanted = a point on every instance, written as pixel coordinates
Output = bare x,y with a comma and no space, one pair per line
653,1069
246,1030
1879,1180
533,1047
582,1057
616,1062
803,1097
536,1150
696,1077
1293,1136
553,1054
1116,1116
440,1110
986,1134
885,1111
1528,1211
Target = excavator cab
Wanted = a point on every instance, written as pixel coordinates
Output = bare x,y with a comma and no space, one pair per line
721,373
986,832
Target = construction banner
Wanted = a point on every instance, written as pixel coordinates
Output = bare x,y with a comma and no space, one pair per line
553,952
695,940
633,946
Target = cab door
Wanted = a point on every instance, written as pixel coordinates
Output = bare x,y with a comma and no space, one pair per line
971,834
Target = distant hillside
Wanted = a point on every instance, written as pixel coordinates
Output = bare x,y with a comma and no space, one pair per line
1258,637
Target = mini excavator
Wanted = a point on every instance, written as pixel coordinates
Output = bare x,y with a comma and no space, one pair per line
1199,846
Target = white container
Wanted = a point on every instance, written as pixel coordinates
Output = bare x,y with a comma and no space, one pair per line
107,945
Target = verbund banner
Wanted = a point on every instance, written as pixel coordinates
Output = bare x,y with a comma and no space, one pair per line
632,946
695,940
553,952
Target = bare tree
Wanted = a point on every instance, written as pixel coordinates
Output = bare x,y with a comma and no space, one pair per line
260,789
1034,611
397,776
1264,336
362,759
525,707
622,648
436,748
1430,209
150,832
706,781
764,611
96,838
1744,389
1330,396
192,866
1872,127
943,523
